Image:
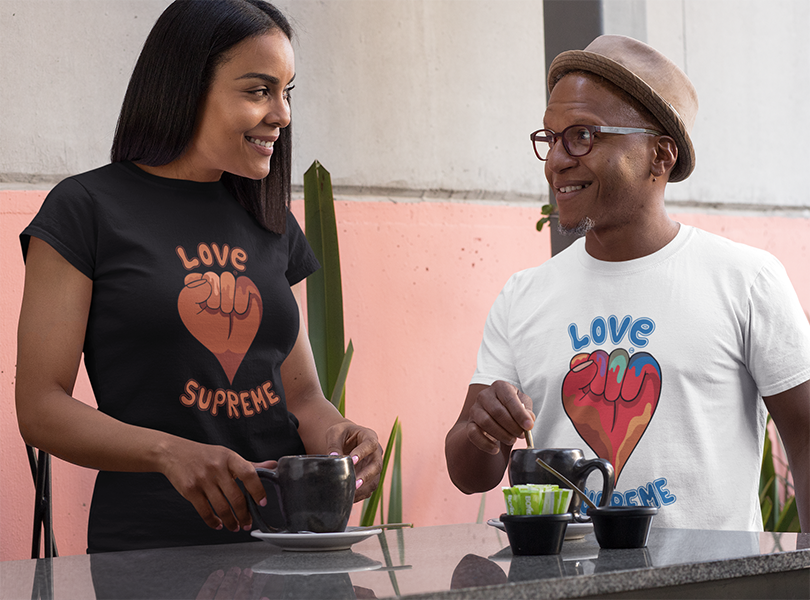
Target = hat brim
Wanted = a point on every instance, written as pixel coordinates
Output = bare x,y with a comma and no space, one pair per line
582,60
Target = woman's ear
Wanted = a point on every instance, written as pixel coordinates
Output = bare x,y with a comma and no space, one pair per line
665,156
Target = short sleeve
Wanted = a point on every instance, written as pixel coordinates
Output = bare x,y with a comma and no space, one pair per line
778,345
301,259
67,220
495,360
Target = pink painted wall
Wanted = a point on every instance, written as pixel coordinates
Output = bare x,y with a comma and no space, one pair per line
419,279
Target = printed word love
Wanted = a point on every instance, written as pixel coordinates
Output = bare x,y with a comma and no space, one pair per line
207,255
637,331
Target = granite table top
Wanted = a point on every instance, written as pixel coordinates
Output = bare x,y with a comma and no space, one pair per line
462,562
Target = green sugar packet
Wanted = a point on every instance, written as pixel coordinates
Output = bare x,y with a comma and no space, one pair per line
562,499
536,499
511,501
530,500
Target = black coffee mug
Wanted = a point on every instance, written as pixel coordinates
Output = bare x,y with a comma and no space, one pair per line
571,463
315,493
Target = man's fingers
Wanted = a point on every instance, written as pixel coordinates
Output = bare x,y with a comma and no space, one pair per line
481,439
516,403
490,414
527,403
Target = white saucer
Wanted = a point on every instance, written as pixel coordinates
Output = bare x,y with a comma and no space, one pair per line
574,531
316,542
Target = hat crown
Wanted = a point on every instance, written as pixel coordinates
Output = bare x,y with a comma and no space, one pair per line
647,75
656,70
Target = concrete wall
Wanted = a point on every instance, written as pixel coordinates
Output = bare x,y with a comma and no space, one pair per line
421,110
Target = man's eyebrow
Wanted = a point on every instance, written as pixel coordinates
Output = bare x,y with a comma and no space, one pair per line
264,77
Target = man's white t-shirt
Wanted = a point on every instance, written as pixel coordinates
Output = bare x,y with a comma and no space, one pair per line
658,365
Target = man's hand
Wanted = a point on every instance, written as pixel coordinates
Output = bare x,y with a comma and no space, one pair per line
499,415
478,445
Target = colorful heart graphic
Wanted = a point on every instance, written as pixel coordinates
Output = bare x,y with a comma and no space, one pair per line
611,400
224,313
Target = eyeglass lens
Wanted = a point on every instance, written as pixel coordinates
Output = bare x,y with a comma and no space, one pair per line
577,141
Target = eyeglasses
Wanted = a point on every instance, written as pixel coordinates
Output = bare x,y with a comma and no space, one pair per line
577,139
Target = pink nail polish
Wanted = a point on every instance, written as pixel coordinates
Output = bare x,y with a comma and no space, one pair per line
263,502
358,483
333,454
355,459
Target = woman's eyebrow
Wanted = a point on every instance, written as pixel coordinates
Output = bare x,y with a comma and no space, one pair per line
264,77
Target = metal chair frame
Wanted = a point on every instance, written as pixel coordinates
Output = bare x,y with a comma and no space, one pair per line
43,531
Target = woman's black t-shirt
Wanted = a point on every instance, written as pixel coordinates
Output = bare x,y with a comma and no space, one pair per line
190,319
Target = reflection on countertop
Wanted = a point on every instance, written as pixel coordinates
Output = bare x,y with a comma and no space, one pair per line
452,561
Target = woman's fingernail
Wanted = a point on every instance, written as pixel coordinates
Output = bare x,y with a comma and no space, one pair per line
246,527
263,502
333,454
358,483
355,459
219,526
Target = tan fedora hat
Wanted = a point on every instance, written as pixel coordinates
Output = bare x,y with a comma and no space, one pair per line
648,76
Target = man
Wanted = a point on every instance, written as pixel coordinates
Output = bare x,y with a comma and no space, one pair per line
648,343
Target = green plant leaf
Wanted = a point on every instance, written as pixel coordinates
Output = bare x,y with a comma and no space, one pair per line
766,506
370,509
338,397
789,519
395,493
324,288
767,471
546,210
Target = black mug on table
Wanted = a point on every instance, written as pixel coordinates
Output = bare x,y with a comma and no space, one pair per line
571,463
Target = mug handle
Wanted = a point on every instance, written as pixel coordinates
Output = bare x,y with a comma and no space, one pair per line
608,477
264,475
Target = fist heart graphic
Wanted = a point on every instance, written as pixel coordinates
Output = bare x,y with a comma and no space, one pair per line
224,313
611,400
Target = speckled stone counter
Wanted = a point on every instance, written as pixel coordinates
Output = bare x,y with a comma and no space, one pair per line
462,562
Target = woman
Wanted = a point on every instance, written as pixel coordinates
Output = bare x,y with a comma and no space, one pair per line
175,269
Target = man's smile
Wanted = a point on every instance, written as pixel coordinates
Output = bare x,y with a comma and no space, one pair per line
572,188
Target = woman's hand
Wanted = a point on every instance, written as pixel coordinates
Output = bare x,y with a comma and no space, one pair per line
321,426
350,439
206,476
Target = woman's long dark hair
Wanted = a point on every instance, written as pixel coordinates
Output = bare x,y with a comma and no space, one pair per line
172,76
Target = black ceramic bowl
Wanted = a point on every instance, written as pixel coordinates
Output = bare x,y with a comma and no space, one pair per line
622,526
535,534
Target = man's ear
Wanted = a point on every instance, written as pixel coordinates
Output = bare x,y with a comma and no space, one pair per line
665,156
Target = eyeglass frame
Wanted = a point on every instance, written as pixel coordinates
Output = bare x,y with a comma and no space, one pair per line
592,129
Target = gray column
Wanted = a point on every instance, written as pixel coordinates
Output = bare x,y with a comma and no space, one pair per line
572,25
